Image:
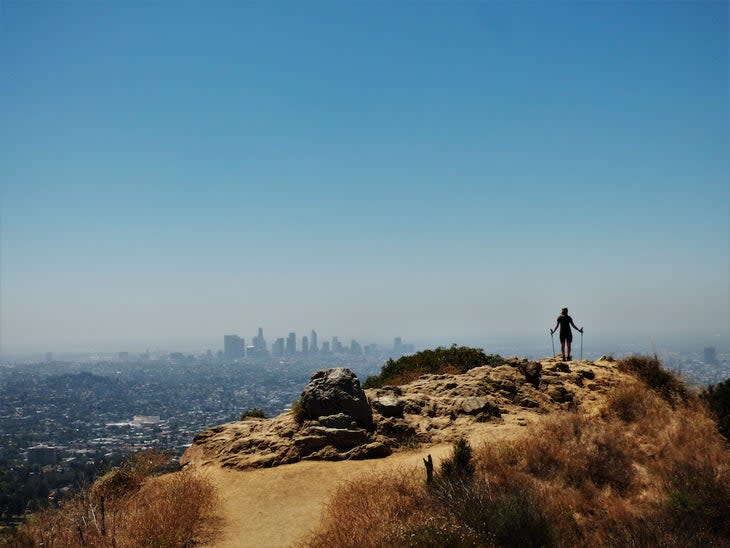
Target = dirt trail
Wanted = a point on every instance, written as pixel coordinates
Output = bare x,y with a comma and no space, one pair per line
276,507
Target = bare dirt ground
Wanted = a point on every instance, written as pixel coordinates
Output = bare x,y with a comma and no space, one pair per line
277,507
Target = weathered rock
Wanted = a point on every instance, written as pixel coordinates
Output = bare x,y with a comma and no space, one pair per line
476,405
395,429
502,379
389,406
531,371
342,439
587,374
375,450
563,367
333,391
560,394
340,420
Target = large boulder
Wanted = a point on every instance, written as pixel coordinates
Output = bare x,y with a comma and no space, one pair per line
333,391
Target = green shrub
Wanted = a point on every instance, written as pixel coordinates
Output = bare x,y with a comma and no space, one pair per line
495,514
456,359
460,464
649,370
254,412
411,442
717,399
516,518
698,498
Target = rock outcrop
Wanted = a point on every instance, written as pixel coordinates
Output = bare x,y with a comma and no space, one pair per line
336,419
333,421
335,391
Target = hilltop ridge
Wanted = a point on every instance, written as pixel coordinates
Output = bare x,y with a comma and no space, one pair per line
432,409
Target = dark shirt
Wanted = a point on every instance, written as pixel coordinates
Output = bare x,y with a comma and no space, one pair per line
564,321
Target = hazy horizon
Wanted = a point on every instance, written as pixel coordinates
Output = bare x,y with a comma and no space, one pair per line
453,172
532,343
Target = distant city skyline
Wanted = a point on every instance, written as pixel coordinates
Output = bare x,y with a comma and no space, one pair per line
443,172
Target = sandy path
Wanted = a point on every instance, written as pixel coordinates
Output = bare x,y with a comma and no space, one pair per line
276,507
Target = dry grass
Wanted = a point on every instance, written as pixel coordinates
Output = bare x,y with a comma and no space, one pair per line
650,469
650,371
371,506
575,450
129,509
176,510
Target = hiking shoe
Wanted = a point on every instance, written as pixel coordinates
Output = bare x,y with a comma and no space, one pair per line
570,358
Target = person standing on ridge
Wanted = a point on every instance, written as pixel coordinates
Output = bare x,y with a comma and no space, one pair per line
566,335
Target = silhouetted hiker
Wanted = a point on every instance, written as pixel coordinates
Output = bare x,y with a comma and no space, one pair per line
564,322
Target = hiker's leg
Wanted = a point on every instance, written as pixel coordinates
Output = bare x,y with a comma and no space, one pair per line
562,347
569,354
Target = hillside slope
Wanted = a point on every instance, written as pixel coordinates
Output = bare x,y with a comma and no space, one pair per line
278,506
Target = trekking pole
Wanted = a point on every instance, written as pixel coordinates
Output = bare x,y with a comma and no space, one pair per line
581,344
552,340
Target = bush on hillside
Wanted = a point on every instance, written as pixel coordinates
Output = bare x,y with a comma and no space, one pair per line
128,477
649,370
254,412
717,399
456,359
459,465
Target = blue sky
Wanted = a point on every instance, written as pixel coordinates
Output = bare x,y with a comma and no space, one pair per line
170,172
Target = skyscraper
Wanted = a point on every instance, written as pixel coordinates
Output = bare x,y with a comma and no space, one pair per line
291,344
259,342
233,347
355,347
710,355
313,342
277,349
398,345
305,345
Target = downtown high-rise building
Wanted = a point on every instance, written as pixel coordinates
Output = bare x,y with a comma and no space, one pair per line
313,348
291,344
277,349
710,355
305,345
397,345
355,347
234,347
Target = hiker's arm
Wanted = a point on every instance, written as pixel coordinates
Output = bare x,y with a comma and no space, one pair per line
578,328
553,330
